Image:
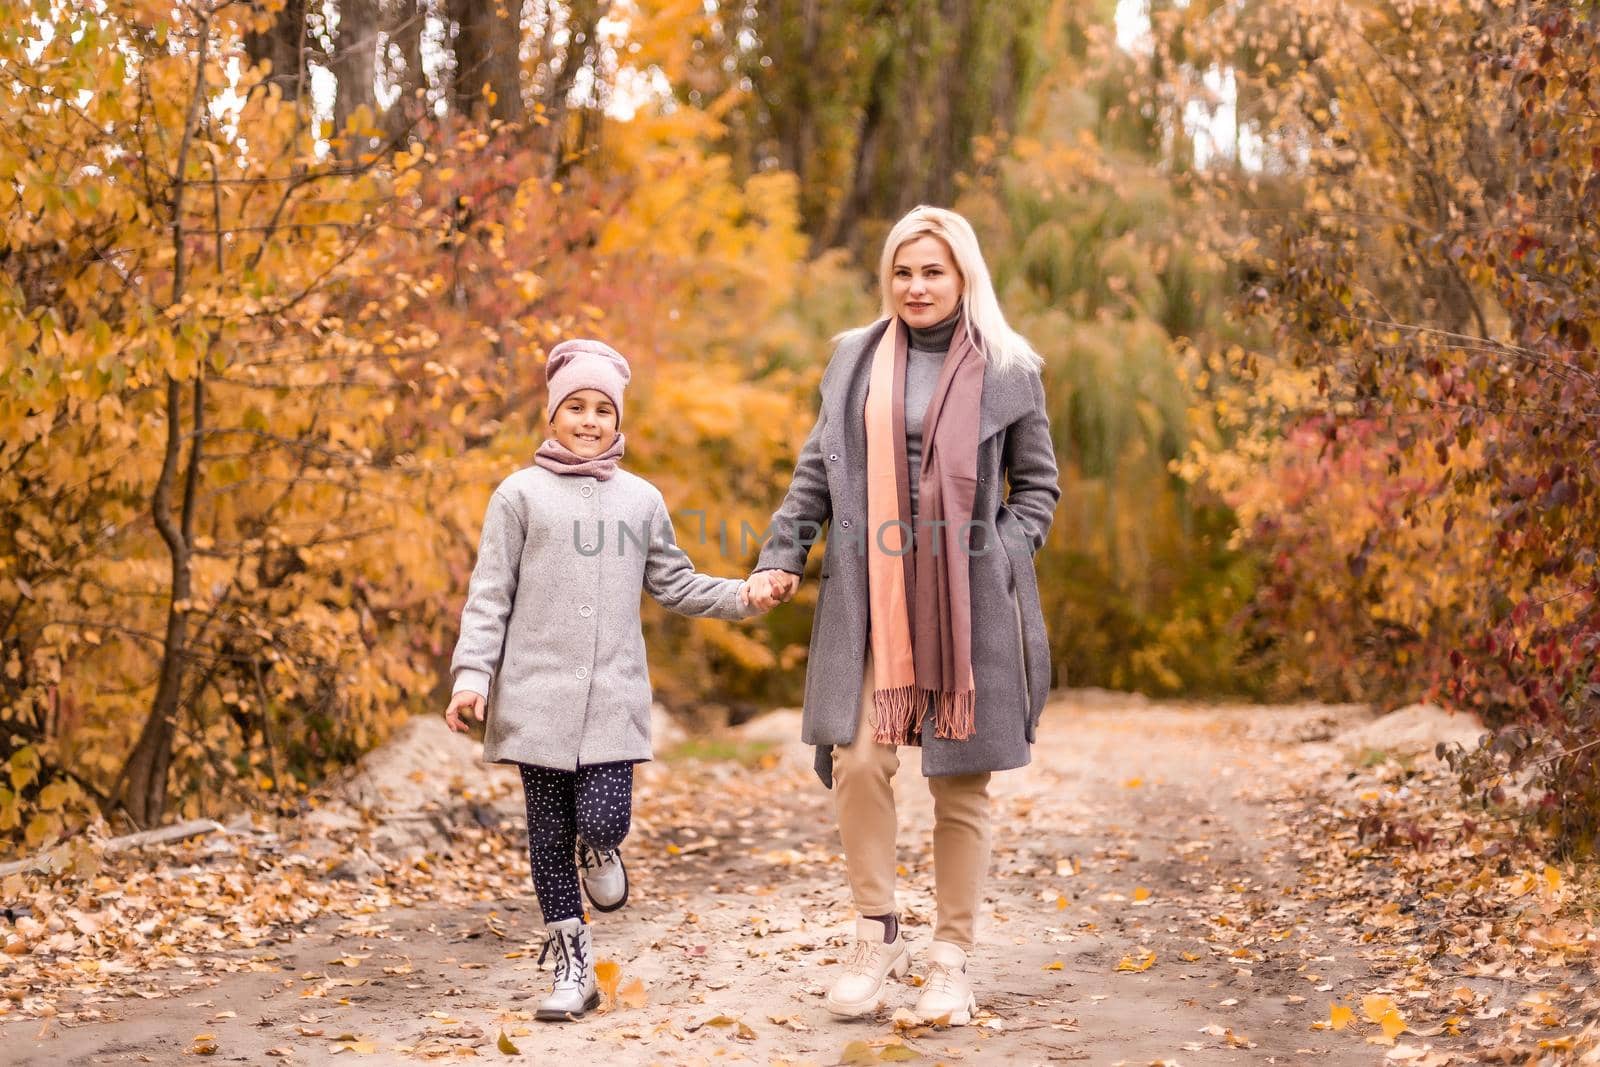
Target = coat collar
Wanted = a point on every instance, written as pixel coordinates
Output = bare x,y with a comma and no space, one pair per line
1006,397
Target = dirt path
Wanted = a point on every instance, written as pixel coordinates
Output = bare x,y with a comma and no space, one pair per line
1138,830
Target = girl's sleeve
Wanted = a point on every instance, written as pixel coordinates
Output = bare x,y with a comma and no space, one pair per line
671,579
1030,466
490,594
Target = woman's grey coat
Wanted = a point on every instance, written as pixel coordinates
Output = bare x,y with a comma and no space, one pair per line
550,634
1010,649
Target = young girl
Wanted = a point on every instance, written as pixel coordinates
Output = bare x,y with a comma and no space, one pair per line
551,646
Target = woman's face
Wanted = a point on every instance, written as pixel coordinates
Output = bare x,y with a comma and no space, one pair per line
924,285
585,423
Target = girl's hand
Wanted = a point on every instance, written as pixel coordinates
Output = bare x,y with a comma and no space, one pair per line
472,702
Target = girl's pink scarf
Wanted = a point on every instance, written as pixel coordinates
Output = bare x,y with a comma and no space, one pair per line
920,600
554,456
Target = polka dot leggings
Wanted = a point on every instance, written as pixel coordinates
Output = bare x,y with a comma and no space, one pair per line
596,802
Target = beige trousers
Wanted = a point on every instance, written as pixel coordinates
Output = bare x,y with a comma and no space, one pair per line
863,790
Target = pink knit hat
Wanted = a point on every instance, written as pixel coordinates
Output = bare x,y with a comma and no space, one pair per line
585,364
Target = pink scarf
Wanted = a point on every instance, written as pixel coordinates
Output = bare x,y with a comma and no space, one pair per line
919,601
556,457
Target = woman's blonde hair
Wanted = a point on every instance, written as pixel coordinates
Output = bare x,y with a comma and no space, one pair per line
1001,345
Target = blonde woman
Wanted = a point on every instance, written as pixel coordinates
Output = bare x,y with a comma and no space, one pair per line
927,629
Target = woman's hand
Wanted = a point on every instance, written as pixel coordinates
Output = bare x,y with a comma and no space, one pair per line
468,700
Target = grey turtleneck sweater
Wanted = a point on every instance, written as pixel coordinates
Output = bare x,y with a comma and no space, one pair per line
924,360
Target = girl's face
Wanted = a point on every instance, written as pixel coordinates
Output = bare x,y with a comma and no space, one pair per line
924,285
585,423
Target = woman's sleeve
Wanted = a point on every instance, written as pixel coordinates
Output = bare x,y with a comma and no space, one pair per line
671,579
490,596
797,524
1030,466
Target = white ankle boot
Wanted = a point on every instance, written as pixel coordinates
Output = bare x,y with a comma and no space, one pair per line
605,879
575,990
947,992
859,988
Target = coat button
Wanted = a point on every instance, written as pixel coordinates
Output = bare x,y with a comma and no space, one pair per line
587,490
582,673
586,611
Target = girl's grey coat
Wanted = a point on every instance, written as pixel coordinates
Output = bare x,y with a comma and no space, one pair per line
1010,649
550,634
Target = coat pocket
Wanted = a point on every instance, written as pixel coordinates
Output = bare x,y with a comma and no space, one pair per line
1031,723
1030,615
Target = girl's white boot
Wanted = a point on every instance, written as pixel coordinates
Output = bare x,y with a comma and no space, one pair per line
575,990
605,879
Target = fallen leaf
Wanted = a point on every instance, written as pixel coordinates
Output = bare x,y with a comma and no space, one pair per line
503,1043
633,994
858,1052
359,1047
1375,1007
607,974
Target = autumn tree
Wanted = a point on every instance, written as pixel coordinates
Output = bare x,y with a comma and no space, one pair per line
203,574
259,380
873,106
1418,225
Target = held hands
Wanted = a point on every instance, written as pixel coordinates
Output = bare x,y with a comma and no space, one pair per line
764,590
471,702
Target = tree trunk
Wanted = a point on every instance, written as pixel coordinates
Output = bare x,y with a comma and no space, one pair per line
846,227
403,19
355,67
488,46
584,20
951,137
282,44
143,782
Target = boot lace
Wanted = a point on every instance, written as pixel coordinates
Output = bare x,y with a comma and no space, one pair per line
591,859
559,943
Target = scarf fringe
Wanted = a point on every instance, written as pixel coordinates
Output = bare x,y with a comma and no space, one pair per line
955,715
896,712
899,713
